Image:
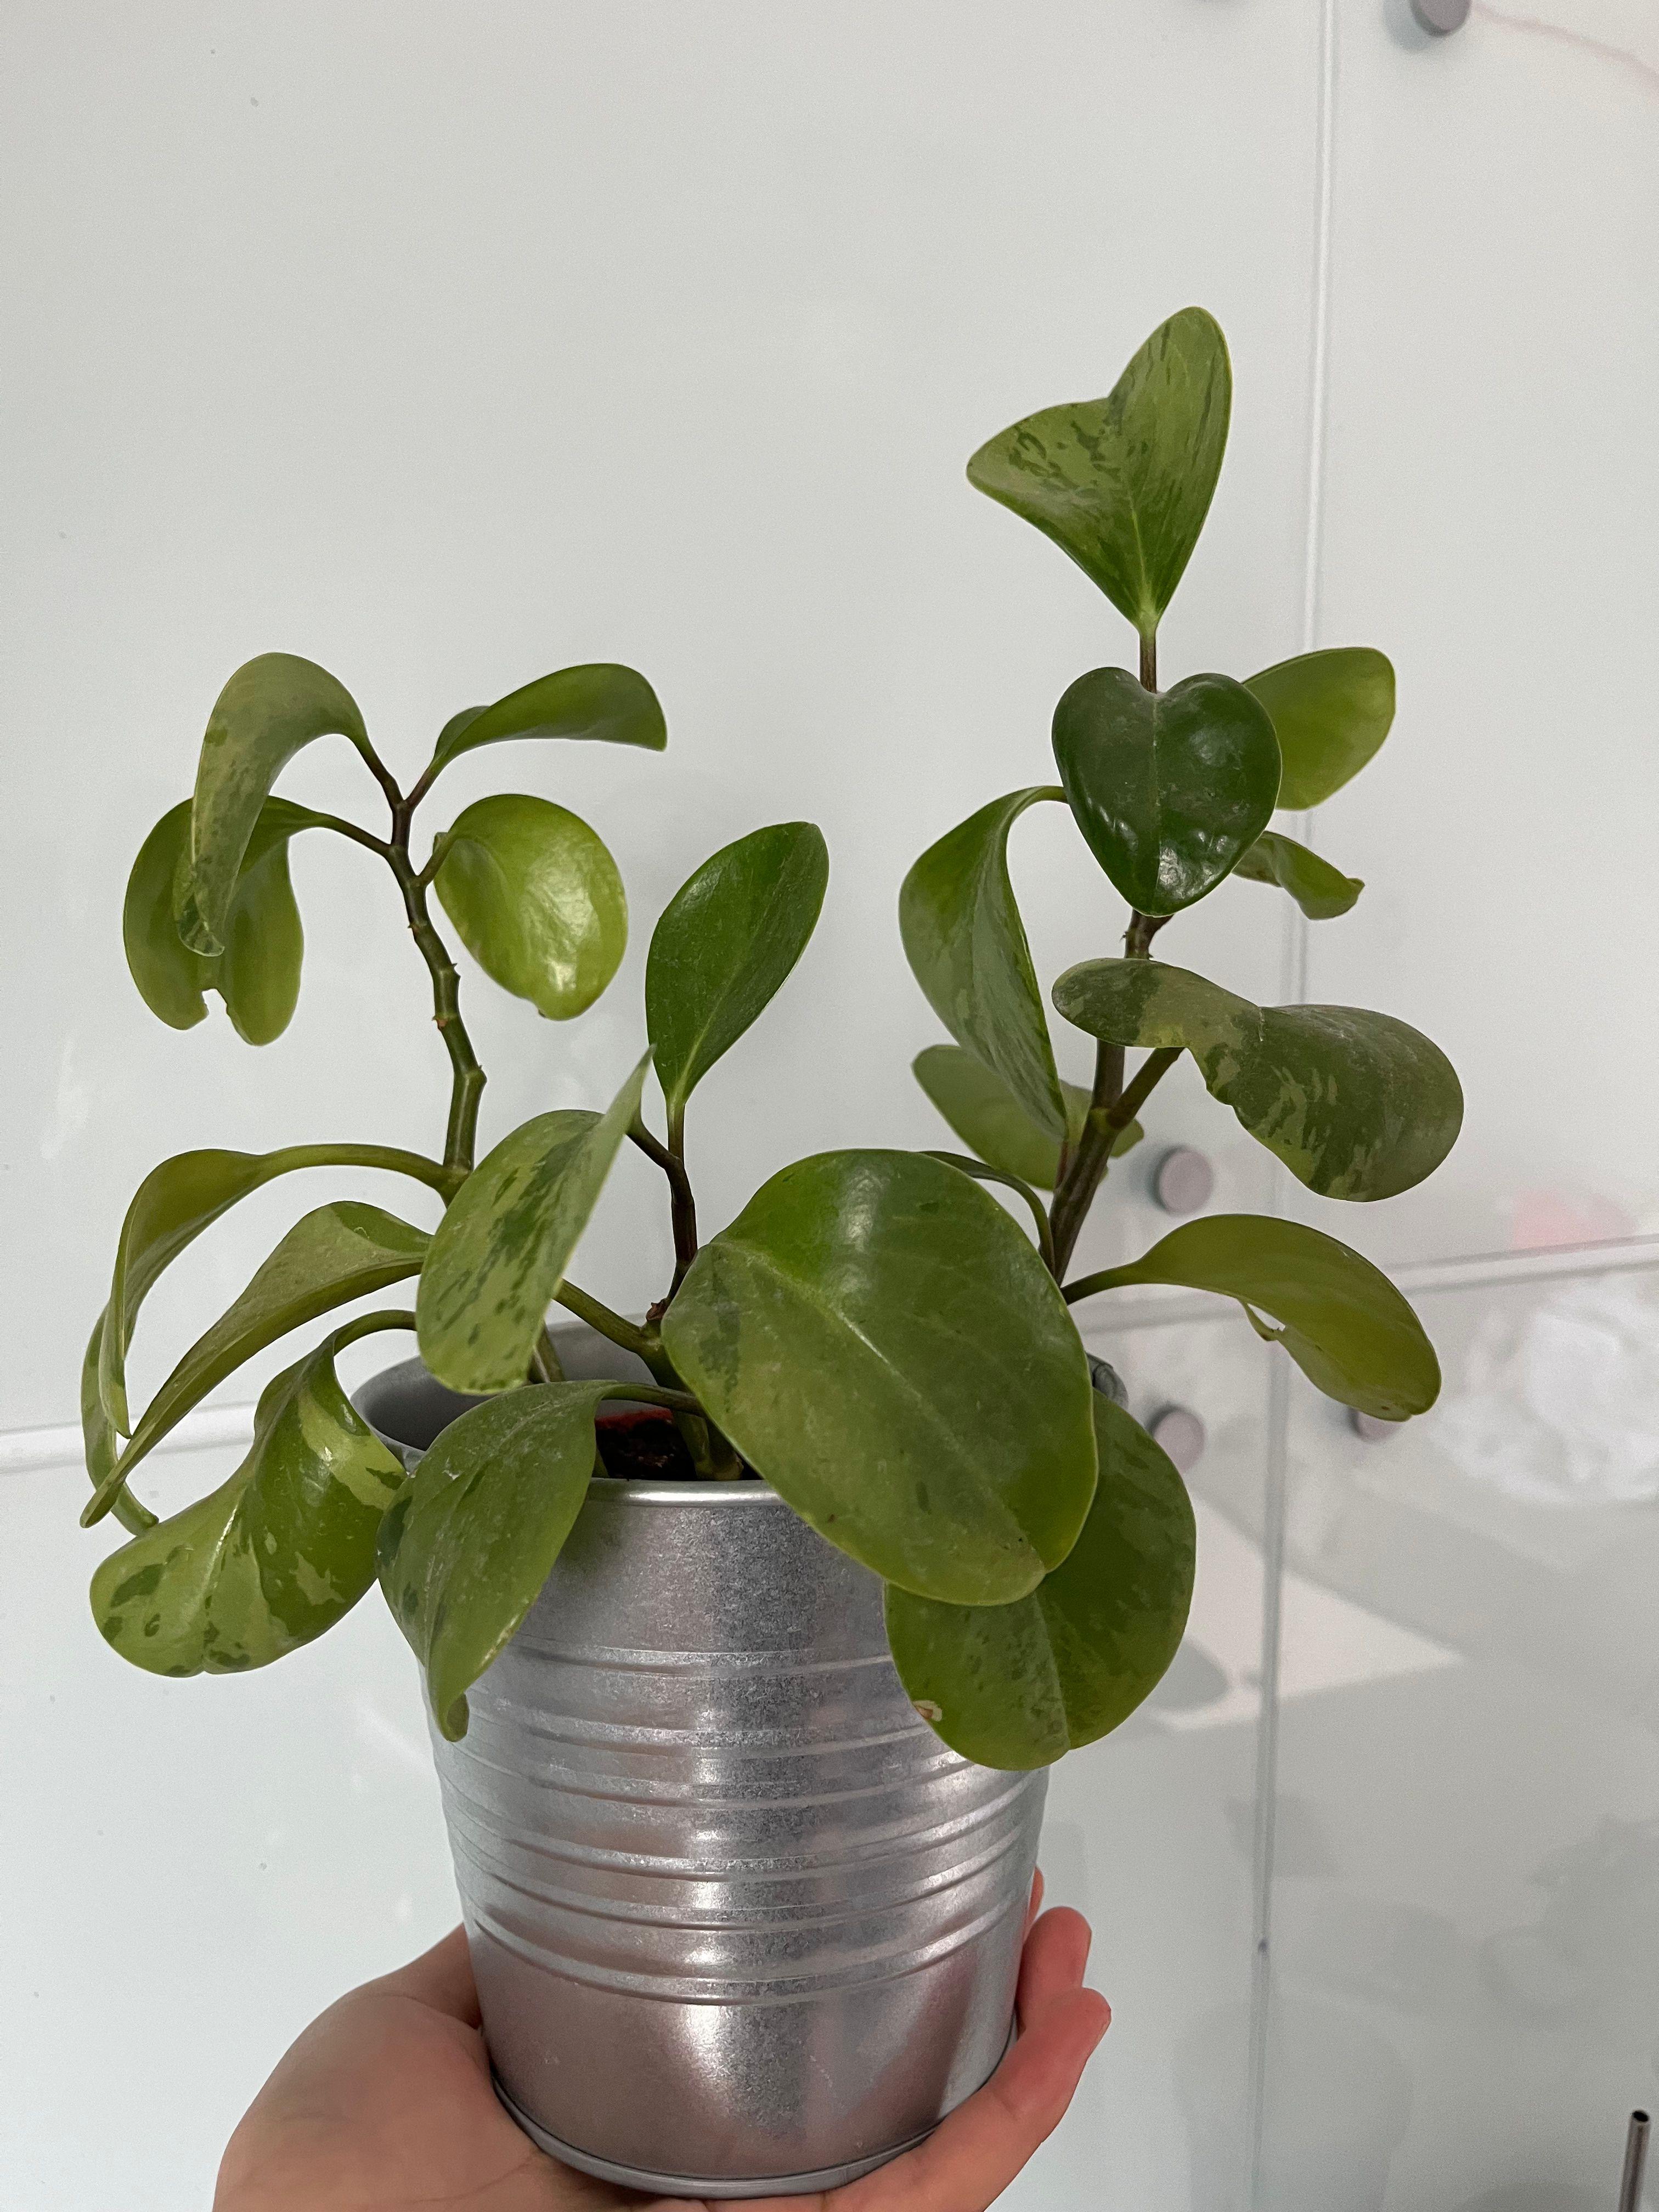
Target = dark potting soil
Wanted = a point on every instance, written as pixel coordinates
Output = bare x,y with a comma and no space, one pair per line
643,1445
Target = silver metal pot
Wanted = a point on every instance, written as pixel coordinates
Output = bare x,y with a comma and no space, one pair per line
741,1924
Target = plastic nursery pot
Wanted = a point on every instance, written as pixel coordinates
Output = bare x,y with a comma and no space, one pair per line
741,1924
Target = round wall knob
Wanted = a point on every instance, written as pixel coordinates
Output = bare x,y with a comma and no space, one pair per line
1374,1431
1441,16
1182,1181
1178,1430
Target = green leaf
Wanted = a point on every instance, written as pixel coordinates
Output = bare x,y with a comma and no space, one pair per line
500,1253
100,1443
257,974
1341,1320
269,711
1356,1105
274,1556
330,1256
967,948
599,700
1332,710
1321,891
1019,1685
465,1550
880,1341
536,899
1169,787
727,941
990,1120
1123,483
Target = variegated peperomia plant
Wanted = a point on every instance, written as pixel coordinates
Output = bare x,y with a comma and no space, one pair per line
874,1334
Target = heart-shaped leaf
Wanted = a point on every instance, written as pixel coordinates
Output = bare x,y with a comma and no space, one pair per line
967,948
882,1343
1332,710
269,711
1020,1685
500,1253
1321,891
537,900
465,1549
1169,787
991,1121
1123,483
257,974
1341,1320
1357,1105
599,699
726,944
273,1557
331,1255
177,1200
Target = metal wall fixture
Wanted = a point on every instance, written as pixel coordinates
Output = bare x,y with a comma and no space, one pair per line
1367,1425
1179,1431
1441,17
1183,1182
1636,2159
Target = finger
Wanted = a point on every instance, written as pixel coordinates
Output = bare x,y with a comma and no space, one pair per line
441,1977
1056,1953
973,2155
1036,1904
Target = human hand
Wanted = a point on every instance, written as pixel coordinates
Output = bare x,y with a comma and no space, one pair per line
384,2103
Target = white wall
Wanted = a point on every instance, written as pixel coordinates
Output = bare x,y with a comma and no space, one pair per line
448,345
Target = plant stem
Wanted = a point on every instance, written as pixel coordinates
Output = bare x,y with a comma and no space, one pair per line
681,1203
433,1173
1149,662
349,829
544,1359
600,1317
382,775
467,1078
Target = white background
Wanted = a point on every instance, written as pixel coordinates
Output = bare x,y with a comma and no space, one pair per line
447,345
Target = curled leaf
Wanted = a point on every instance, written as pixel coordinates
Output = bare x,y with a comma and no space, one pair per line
1321,891
537,900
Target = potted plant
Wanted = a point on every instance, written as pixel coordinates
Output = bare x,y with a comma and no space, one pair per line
744,1893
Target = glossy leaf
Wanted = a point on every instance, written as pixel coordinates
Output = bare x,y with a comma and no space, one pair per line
1340,1319
599,699
257,974
536,899
1019,1685
274,1556
270,709
1321,891
879,1340
177,1200
500,1253
990,1120
464,1550
99,1442
1123,483
1332,710
967,948
1357,1105
335,1253
1169,788
726,944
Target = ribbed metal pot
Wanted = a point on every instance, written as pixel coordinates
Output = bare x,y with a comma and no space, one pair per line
741,1923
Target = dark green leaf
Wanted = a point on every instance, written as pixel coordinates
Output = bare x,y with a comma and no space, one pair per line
1020,1685
269,711
273,1557
1357,1105
1342,1320
500,1253
881,1343
1123,483
727,941
1169,787
465,1550
257,974
990,1120
1332,710
536,899
1321,891
330,1256
967,948
599,699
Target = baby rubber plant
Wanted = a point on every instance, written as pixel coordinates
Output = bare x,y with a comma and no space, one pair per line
1174,791
873,1334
